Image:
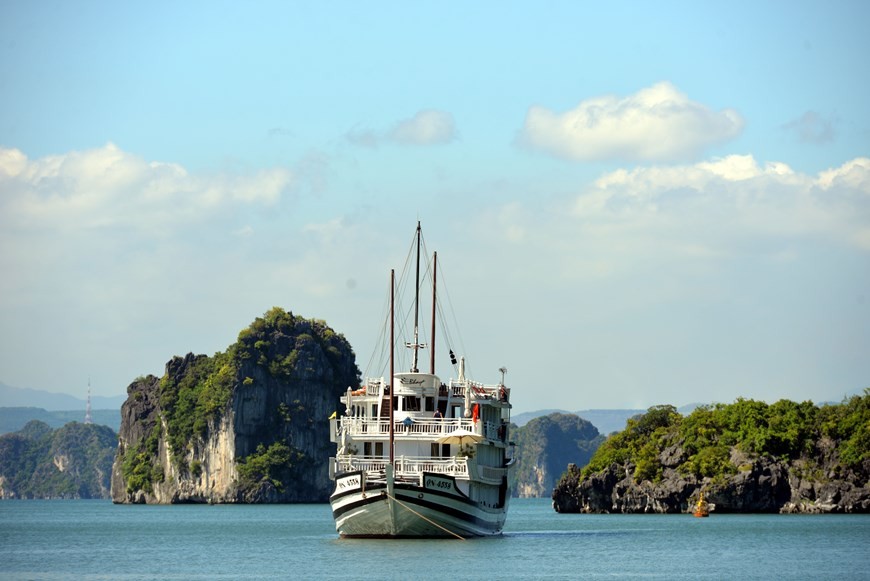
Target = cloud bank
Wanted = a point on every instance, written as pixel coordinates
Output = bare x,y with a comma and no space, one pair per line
658,124
107,256
109,188
706,217
735,195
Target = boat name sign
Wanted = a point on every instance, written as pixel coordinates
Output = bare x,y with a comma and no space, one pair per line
440,483
348,483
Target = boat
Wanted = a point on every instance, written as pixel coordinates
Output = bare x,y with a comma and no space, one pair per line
418,457
702,507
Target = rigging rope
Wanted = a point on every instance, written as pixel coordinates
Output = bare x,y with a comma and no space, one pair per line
430,521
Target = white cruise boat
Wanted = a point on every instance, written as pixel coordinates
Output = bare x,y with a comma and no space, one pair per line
430,461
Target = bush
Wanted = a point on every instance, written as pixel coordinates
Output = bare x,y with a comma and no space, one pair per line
270,464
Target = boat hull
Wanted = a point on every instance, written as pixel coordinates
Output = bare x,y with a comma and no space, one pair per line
412,511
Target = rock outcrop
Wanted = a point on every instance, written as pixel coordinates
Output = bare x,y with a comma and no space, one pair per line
747,457
247,425
545,445
760,485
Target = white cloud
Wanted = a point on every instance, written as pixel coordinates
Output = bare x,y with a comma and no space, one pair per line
658,123
692,218
427,127
117,217
730,198
108,187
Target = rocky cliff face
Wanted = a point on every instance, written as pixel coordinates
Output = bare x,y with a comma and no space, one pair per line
545,445
247,425
760,485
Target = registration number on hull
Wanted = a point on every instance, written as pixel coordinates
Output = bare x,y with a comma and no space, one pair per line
348,483
440,483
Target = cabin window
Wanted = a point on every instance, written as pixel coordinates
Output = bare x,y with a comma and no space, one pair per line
412,404
430,404
440,450
375,410
367,448
379,449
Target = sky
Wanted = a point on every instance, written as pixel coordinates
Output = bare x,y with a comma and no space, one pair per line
633,203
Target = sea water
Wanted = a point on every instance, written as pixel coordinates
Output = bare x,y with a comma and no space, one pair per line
99,540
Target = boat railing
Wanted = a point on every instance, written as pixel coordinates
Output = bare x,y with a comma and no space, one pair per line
479,390
416,465
495,431
422,427
373,386
405,466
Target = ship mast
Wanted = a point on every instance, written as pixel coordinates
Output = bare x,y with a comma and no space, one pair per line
416,345
434,284
392,349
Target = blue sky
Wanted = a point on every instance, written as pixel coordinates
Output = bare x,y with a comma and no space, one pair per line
634,204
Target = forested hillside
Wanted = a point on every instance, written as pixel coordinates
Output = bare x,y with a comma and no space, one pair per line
73,461
748,456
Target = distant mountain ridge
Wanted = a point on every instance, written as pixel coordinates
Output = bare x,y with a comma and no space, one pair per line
37,398
605,420
13,419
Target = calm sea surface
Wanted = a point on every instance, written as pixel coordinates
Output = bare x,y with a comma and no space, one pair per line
98,540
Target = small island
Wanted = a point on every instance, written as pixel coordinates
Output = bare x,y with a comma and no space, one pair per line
246,425
746,457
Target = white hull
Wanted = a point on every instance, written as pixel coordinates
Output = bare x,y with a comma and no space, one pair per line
413,511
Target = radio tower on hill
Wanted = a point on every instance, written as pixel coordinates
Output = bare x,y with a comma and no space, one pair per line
88,419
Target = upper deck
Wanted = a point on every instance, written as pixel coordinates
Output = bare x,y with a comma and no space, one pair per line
410,429
429,385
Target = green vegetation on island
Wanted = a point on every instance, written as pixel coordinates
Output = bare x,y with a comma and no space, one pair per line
784,430
282,373
750,456
73,461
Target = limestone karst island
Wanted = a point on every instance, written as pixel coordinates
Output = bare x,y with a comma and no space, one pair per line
245,425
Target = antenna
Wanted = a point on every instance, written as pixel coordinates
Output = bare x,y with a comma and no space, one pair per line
88,419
